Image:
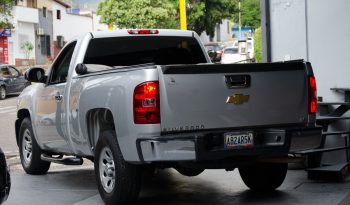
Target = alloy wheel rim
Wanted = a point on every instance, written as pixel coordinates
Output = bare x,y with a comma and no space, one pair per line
27,147
107,170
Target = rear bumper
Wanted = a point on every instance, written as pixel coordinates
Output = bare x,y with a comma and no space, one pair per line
209,145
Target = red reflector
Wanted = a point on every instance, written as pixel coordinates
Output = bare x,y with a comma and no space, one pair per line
143,31
146,103
312,95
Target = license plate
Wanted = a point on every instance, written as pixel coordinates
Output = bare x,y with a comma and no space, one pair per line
242,139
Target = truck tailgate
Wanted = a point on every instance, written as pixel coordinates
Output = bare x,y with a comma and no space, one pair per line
196,97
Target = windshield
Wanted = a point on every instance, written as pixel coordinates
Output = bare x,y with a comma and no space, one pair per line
160,50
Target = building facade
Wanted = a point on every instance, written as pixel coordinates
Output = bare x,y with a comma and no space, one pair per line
25,17
44,33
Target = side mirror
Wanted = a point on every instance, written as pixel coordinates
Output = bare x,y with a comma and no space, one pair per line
35,75
81,69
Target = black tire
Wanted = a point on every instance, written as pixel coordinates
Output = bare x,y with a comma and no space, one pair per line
3,93
189,172
263,177
128,181
31,165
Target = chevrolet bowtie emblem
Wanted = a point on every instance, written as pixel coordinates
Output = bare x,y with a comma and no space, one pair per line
237,99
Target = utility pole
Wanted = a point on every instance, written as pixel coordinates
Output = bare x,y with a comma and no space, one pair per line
183,24
239,20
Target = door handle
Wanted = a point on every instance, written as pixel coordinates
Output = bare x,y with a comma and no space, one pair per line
58,97
237,81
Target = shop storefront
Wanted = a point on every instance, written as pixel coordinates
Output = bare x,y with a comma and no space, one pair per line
4,55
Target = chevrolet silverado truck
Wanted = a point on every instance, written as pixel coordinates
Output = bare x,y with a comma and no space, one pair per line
131,100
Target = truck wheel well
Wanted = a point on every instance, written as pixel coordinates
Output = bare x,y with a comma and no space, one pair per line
21,115
98,121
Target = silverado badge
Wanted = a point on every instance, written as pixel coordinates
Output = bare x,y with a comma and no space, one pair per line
237,99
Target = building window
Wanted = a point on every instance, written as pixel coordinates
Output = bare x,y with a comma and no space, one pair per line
58,14
45,45
44,12
48,45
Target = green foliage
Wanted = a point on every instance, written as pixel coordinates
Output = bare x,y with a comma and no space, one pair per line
27,47
138,13
258,45
250,13
5,13
204,15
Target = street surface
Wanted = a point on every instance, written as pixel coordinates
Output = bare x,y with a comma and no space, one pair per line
7,124
76,185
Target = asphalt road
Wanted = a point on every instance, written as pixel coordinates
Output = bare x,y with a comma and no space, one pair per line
77,186
7,124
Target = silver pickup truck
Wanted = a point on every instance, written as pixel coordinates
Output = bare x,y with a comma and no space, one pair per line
131,100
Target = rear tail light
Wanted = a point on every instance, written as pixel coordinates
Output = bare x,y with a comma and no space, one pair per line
312,95
146,103
143,31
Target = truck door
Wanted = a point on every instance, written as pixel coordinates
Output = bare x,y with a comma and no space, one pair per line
50,105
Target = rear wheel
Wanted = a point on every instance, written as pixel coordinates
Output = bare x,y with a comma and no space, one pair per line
30,152
2,93
118,181
264,177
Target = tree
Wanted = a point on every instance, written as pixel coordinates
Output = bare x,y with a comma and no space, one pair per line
5,13
27,47
250,13
258,45
204,15
138,13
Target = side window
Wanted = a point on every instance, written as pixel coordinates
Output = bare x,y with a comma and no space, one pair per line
60,67
13,71
5,72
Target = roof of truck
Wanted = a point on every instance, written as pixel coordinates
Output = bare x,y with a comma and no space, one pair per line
124,32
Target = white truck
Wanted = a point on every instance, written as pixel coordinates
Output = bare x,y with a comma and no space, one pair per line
135,99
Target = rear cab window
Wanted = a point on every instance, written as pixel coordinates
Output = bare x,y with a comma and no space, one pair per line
159,50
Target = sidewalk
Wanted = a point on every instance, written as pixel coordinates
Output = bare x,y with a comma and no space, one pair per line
77,186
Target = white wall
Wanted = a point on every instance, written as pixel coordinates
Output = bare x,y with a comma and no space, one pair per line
321,35
69,25
25,14
329,45
317,31
288,29
24,19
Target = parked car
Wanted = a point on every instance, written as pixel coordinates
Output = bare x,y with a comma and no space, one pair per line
132,99
230,55
217,48
5,182
11,81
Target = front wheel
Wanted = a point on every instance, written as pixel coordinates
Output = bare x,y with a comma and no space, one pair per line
264,177
30,152
118,181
